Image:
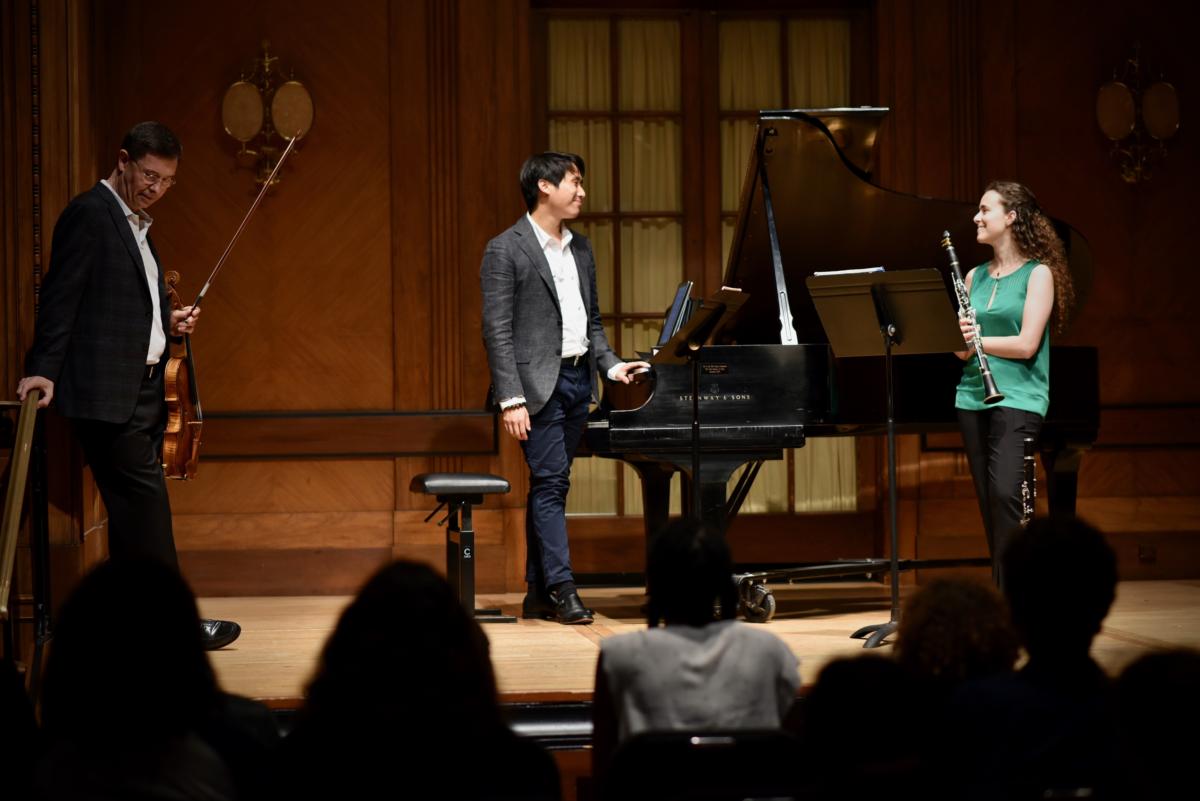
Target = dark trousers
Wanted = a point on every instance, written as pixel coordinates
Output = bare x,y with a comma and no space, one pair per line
554,436
126,461
995,444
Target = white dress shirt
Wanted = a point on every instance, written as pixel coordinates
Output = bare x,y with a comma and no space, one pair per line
139,222
566,284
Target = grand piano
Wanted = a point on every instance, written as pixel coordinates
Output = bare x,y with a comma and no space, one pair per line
768,379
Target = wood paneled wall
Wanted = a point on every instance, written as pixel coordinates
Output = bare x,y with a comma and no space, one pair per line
355,288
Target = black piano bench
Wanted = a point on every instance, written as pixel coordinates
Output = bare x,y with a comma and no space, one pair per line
458,492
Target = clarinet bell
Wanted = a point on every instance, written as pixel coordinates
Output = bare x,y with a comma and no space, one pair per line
991,394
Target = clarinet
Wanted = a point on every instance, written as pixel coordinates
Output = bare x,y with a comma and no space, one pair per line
1028,483
966,311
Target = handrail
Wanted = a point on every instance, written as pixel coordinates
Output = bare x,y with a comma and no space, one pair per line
14,494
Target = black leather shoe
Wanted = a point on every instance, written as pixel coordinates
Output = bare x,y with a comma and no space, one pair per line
218,633
569,609
537,606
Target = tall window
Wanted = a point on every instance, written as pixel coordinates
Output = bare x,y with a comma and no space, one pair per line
775,63
615,96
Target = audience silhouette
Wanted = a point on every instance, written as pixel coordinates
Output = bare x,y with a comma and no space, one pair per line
18,733
863,725
1049,729
954,629
404,704
123,716
1158,702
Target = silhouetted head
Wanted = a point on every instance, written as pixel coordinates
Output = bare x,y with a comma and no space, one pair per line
954,629
689,575
405,657
127,659
1154,695
1060,579
848,691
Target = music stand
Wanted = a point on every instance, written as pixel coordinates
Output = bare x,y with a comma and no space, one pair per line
684,346
885,314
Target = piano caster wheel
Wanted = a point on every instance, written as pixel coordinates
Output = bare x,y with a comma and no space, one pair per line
758,605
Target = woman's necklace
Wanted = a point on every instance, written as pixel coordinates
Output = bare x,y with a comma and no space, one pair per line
996,276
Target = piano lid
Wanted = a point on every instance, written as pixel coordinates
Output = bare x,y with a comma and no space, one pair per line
830,216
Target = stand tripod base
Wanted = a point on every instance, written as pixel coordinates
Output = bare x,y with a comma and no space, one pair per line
492,616
876,634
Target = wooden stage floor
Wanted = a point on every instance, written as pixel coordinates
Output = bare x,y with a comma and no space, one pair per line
541,661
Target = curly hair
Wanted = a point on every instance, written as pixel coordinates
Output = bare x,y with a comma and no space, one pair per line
1036,239
954,629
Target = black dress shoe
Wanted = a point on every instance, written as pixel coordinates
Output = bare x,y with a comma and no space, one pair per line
537,606
569,609
218,633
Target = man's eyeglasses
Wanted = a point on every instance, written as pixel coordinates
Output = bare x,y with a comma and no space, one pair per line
152,178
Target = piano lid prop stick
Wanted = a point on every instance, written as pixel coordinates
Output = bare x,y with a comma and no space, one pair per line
787,329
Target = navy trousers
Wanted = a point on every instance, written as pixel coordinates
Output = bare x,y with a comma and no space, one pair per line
554,436
126,461
995,445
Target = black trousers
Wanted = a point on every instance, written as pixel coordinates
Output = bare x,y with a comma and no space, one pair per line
126,461
995,444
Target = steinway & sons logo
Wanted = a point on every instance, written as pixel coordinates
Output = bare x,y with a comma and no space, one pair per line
712,392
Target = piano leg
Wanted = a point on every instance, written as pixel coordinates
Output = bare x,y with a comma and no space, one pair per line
715,472
656,494
713,497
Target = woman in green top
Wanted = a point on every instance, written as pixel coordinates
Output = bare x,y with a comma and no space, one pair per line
1017,296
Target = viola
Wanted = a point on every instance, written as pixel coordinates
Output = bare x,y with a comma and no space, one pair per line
185,420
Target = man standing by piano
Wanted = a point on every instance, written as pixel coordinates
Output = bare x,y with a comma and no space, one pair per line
545,342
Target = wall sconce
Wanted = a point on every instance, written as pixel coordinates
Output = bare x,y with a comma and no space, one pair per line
256,109
1137,118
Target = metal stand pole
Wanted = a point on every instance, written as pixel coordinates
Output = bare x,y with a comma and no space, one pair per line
876,634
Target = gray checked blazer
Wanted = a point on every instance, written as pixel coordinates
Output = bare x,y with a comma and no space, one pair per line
522,321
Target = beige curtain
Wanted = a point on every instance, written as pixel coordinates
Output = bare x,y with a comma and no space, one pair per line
749,65
826,475
819,63
578,61
649,65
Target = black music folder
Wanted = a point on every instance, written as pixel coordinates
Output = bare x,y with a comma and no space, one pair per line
854,304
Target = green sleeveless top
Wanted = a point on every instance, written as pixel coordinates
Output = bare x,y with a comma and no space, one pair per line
1025,383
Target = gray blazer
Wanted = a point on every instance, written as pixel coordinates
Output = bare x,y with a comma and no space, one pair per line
522,321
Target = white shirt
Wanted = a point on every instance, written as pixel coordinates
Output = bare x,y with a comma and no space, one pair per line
139,222
566,284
